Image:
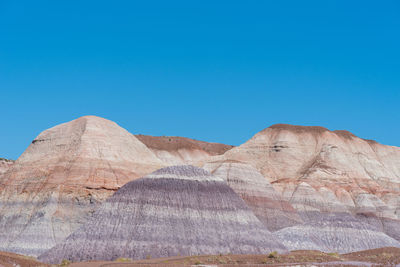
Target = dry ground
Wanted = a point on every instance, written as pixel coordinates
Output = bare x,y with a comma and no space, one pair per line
376,257
15,260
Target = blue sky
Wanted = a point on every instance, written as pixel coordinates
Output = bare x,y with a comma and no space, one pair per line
211,70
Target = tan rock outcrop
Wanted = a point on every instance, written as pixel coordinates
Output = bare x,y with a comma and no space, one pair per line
5,165
328,174
330,170
58,181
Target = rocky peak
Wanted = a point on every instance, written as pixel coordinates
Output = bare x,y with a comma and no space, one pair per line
62,176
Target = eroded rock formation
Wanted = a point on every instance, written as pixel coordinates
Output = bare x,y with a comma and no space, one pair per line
179,210
334,232
62,176
328,172
268,205
327,189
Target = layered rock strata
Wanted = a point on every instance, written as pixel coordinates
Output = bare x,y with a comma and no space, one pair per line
62,176
328,171
268,205
5,165
179,210
175,150
334,232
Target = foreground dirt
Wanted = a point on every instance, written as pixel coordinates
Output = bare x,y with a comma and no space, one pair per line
384,256
375,257
14,260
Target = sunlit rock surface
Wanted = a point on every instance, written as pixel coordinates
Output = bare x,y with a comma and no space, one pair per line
5,165
334,232
268,205
328,171
62,176
308,176
179,210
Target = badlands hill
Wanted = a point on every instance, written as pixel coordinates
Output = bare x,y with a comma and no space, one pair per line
58,181
321,172
69,169
347,173
315,188
182,150
175,211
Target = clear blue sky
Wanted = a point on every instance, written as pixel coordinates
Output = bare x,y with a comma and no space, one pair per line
211,70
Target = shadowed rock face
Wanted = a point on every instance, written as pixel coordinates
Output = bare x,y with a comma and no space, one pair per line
181,150
179,210
62,176
269,207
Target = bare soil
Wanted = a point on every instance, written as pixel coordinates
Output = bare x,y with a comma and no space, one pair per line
13,260
375,257
383,256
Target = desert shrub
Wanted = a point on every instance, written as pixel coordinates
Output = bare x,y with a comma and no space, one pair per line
273,255
385,255
123,260
6,160
197,262
65,262
222,261
333,254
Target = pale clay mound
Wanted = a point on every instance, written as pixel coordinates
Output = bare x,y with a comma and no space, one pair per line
328,171
179,210
360,174
334,232
268,205
62,176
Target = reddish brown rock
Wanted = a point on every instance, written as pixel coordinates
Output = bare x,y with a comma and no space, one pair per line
182,150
